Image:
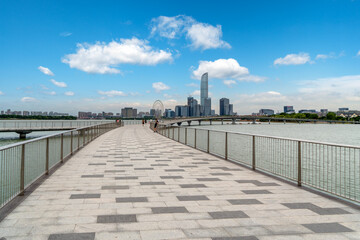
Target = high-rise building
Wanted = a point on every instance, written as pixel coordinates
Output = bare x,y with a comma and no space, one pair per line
194,107
231,109
344,109
289,109
207,107
204,88
129,112
224,106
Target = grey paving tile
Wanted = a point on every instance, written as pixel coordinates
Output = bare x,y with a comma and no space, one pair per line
114,187
72,236
256,192
327,228
131,199
92,176
174,170
162,160
96,164
220,174
228,214
113,171
126,218
81,196
159,210
152,183
188,166
330,211
145,168
244,201
159,165
126,178
200,163
192,198
208,179
258,183
124,165
193,186
171,177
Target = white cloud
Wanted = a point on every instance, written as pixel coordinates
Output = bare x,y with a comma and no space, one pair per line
112,93
69,93
1,93
65,34
293,59
201,35
103,58
160,86
225,69
323,56
52,93
192,85
205,36
358,54
28,99
59,84
46,71
229,83
195,93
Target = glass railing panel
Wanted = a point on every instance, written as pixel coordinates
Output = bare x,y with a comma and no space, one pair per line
201,139
35,160
217,143
240,148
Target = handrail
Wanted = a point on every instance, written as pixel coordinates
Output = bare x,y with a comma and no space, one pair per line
326,167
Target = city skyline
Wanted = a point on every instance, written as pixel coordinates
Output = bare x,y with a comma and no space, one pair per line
107,57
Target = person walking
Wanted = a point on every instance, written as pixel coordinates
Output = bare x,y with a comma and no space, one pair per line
143,122
155,125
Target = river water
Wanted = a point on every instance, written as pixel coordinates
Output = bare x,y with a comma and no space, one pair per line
11,137
348,134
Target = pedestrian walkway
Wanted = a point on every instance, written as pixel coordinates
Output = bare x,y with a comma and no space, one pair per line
131,183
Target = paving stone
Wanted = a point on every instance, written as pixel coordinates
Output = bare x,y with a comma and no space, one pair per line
116,218
221,174
159,165
174,170
126,178
188,166
228,214
193,186
124,165
235,238
131,199
82,196
113,171
192,198
72,236
256,192
171,177
144,168
92,176
327,228
96,164
158,210
152,183
114,187
208,179
244,201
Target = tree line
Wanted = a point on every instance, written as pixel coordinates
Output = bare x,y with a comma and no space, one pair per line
329,116
9,117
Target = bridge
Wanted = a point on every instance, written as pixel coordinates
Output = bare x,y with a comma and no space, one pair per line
250,118
23,127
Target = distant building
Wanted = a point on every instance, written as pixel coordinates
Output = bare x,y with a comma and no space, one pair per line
129,112
84,115
344,109
26,113
266,112
224,107
307,111
181,111
289,109
205,101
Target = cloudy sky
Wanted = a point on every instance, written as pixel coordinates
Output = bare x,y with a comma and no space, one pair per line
72,56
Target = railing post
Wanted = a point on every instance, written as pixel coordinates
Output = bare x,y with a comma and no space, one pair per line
299,163
78,133
71,143
195,139
22,171
185,136
226,145
179,134
62,149
47,157
173,133
168,133
253,153
208,141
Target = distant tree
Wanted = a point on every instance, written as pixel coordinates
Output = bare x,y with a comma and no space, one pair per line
331,116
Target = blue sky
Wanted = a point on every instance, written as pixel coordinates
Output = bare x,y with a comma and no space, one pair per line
72,56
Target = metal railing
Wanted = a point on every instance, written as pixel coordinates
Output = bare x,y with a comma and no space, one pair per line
328,167
48,124
23,163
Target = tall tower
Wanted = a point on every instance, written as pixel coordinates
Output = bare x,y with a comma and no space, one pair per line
204,89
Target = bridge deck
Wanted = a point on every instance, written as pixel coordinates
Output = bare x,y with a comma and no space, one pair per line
131,183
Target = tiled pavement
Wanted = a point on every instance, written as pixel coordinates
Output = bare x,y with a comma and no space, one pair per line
131,183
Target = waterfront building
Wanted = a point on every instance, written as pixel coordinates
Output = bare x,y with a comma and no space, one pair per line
152,112
224,107
84,115
266,112
289,109
194,107
344,109
205,101
307,111
129,112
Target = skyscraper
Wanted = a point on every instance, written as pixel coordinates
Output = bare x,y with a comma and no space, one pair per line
204,89
205,101
224,106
